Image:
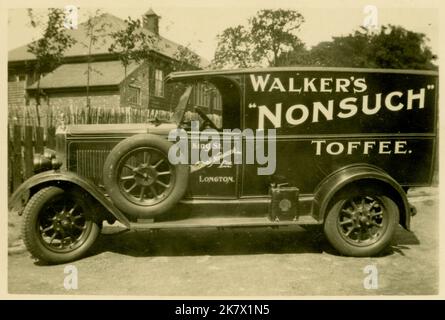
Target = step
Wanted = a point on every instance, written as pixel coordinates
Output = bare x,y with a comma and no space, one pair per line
218,222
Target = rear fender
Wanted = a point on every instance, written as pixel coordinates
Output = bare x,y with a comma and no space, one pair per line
62,179
356,173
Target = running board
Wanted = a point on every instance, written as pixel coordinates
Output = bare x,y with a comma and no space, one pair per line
220,223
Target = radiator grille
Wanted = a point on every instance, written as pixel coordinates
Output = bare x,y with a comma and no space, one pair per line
90,163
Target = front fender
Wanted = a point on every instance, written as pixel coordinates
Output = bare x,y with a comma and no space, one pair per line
354,173
63,178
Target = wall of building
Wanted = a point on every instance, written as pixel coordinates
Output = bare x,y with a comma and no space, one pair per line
19,77
165,101
137,79
147,105
144,79
17,93
102,99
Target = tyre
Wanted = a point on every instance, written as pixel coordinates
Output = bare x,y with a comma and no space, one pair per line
361,223
140,179
58,225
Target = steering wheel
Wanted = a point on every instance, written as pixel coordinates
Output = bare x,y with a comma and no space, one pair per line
206,119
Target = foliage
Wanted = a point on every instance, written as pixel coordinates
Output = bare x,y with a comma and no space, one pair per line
233,49
396,47
389,47
95,32
50,48
132,43
269,34
186,59
273,32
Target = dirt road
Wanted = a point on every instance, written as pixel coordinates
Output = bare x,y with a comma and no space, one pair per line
260,262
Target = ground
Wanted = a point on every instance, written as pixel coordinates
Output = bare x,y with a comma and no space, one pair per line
240,262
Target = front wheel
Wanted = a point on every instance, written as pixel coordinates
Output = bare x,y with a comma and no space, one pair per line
58,226
361,224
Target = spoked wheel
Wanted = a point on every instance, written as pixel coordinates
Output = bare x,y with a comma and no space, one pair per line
146,177
58,226
361,224
140,179
362,221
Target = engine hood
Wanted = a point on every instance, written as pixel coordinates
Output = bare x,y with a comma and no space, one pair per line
116,129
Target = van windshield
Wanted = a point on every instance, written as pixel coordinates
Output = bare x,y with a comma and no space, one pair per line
197,101
178,115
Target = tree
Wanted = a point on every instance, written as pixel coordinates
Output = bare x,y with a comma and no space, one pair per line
389,47
396,47
50,48
233,49
132,44
273,32
269,35
95,30
186,59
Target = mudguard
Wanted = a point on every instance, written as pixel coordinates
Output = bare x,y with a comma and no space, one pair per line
60,178
338,179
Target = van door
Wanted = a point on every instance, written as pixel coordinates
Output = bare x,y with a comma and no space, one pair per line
215,177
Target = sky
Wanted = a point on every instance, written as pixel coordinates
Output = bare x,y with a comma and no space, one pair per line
196,23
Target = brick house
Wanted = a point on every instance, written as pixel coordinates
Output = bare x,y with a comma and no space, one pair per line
141,86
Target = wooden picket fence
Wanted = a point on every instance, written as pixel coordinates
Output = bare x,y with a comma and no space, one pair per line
23,142
56,116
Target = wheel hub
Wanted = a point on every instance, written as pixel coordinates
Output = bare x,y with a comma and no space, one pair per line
66,223
145,175
361,220
364,220
63,226
63,220
361,217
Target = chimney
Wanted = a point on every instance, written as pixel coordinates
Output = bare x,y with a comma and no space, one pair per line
151,21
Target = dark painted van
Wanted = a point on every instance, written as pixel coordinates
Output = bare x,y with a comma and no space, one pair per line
339,149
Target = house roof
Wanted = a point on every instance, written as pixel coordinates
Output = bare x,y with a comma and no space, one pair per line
112,24
150,12
73,75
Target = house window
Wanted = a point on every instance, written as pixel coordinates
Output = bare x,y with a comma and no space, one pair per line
134,95
159,83
12,77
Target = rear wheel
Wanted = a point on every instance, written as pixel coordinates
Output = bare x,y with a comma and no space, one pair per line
58,226
361,223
